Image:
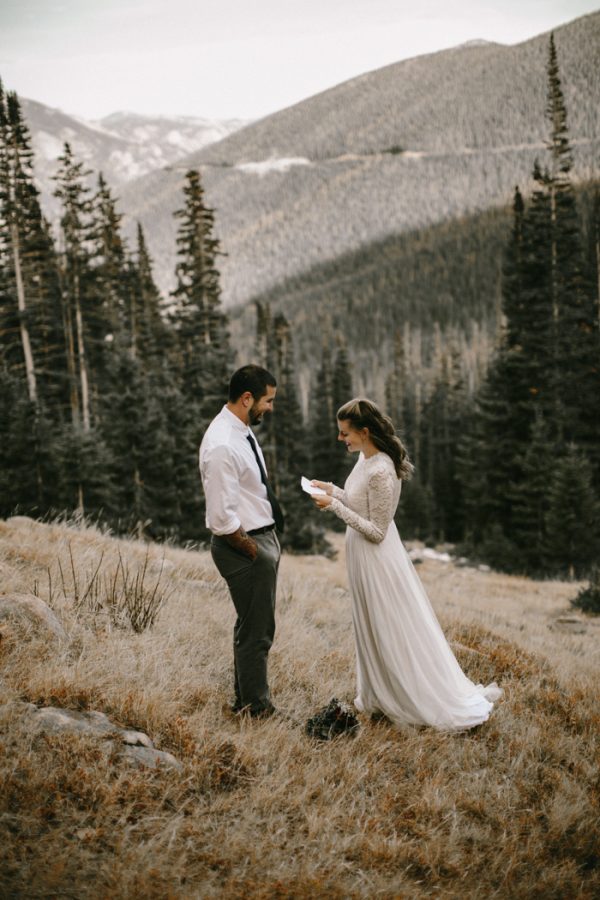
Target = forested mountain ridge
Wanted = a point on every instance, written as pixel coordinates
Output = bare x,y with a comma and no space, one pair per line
419,142
439,287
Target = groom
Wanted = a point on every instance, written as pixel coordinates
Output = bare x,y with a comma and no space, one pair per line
244,516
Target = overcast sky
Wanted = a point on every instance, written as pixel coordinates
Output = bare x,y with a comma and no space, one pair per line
235,58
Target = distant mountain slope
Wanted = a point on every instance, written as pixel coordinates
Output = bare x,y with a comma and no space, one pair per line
400,148
439,287
123,146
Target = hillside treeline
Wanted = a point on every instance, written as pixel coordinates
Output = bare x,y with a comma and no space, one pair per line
105,387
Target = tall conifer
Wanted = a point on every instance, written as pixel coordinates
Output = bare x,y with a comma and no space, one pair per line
75,276
199,320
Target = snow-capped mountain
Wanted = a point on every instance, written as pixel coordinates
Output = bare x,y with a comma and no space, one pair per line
174,135
123,146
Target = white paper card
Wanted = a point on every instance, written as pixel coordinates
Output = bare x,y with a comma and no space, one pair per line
310,488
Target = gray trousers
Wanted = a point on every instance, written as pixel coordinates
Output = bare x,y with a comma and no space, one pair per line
252,585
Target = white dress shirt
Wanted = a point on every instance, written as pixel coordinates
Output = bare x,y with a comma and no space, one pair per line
234,491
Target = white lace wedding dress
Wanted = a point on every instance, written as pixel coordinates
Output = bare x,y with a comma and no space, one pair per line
405,667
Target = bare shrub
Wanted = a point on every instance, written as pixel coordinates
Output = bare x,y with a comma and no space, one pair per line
127,593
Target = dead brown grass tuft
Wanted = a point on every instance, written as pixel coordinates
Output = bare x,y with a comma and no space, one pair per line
260,810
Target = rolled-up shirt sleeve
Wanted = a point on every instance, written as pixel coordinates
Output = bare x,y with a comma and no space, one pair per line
221,489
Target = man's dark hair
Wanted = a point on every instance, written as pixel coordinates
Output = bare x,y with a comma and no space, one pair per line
250,378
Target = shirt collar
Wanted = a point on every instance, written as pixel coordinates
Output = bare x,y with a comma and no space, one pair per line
235,421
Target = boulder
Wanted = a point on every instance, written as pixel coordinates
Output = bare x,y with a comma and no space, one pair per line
32,610
149,757
133,747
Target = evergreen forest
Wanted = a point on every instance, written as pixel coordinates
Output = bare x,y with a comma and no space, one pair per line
482,340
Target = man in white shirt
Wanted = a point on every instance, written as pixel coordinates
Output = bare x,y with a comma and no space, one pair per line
243,515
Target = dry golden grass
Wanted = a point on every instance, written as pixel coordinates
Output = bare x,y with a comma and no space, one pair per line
261,811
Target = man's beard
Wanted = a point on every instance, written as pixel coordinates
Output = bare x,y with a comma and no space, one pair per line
255,418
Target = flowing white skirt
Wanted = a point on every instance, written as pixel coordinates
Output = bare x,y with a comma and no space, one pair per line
405,667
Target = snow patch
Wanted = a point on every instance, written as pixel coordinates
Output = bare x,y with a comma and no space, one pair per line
125,162
273,164
48,146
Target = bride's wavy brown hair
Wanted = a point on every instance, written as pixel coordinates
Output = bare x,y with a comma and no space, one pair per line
363,413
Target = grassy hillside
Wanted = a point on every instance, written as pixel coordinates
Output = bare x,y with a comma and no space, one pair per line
399,148
259,810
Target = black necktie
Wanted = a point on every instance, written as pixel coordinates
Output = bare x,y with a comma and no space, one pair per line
277,513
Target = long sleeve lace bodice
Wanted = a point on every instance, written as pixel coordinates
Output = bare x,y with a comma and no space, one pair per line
370,497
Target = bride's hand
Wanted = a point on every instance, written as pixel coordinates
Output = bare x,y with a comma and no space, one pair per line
324,485
322,500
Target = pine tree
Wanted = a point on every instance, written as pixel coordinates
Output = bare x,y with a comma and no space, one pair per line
489,458
201,356
85,486
444,416
149,339
594,254
322,421
75,277
141,449
573,519
29,291
106,288
530,500
200,323
577,379
28,465
16,196
341,387
290,458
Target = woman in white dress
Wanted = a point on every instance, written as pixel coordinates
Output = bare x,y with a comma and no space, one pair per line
405,667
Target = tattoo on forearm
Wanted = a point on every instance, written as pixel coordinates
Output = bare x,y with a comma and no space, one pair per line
241,541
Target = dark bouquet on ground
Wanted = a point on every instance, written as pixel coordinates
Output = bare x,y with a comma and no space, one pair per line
334,719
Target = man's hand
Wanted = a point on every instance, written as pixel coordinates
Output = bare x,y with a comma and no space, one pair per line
243,543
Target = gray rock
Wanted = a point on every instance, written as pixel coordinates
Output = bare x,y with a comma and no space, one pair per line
150,758
136,739
31,609
461,562
133,746
53,719
483,568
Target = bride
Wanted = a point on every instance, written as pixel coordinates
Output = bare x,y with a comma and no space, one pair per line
405,667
